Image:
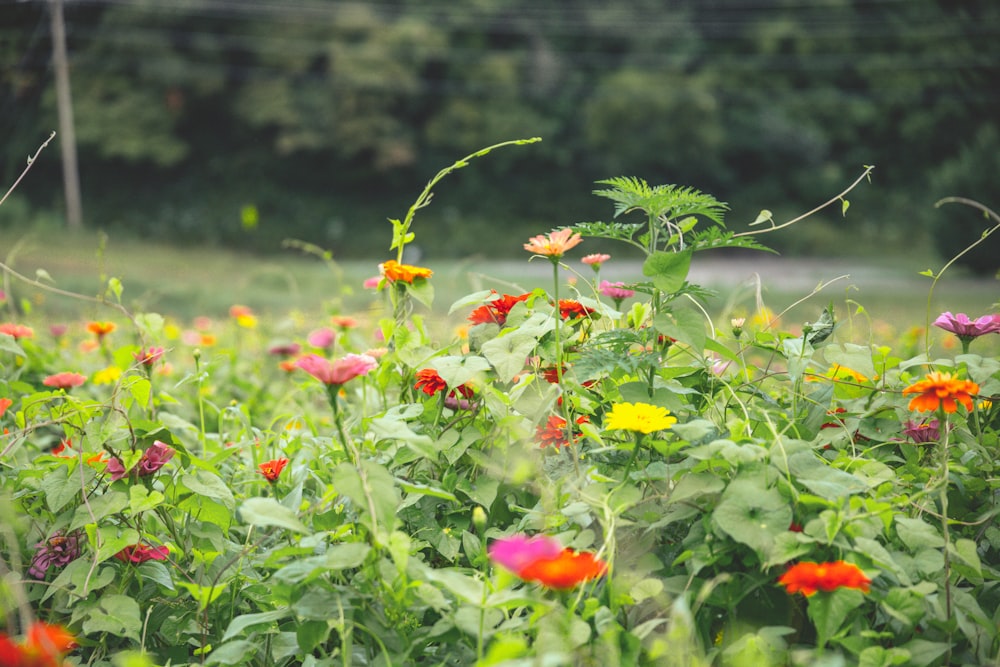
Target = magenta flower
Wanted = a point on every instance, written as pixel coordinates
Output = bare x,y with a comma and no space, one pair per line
373,282
961,325
65,380
285,349
518,551
58,551
140,553
339,371
921,432
322,338
154,458
615,291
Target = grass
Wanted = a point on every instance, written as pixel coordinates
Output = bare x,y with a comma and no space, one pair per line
186,282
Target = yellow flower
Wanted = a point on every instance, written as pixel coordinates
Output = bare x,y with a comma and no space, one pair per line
107,375
640,417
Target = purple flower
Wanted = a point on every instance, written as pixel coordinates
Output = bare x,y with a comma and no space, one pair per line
615,291
154,458
285,349
962,326
923,431
58,551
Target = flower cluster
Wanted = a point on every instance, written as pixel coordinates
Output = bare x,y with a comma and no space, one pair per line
808,578
544,560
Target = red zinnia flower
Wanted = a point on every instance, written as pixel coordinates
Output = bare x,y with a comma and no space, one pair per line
572,310
140,553
337,372
941,389
271,469
43,647
429,382
553,432
807,578
4,404
566,570
148,356
496,310
64,380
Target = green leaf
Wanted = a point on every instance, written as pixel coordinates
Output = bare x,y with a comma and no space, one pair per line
844,205
99,507
425,490
241,623
762,217
269,512
376,492
210,485
233,653
59,489
142,499
508,353
684,325
753,514
916,534
669,270
203,595
848,355
828,611
117,615
456,371
111,541
923,652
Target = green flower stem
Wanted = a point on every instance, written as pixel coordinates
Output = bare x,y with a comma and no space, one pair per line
946,533
332,391
564,408
632,458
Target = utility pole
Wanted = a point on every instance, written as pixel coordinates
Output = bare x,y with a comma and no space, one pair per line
64,102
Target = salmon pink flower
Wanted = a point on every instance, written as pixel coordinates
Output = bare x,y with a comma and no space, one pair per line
64,380
808,578
343,321
337,372
272,469
595,260
140,553
16,330
554,244
941,390
393,271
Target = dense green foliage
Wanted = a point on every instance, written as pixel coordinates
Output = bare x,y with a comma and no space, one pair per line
196,120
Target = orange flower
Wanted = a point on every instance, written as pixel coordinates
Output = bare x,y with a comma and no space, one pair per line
4,404
553,432
429,382
572,310
271,469
393,271
807,578
100,329
566,570
554,244
941,389
43,647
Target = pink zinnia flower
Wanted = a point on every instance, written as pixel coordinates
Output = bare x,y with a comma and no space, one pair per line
554,244
58,551
372,283
962,326
322,338
154,458
616,291
337,372
64,380
58,330
921,432
149,355
518,551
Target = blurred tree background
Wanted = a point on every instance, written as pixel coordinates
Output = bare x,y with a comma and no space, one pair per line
244,122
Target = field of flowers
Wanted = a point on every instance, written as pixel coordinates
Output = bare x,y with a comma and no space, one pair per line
599,473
